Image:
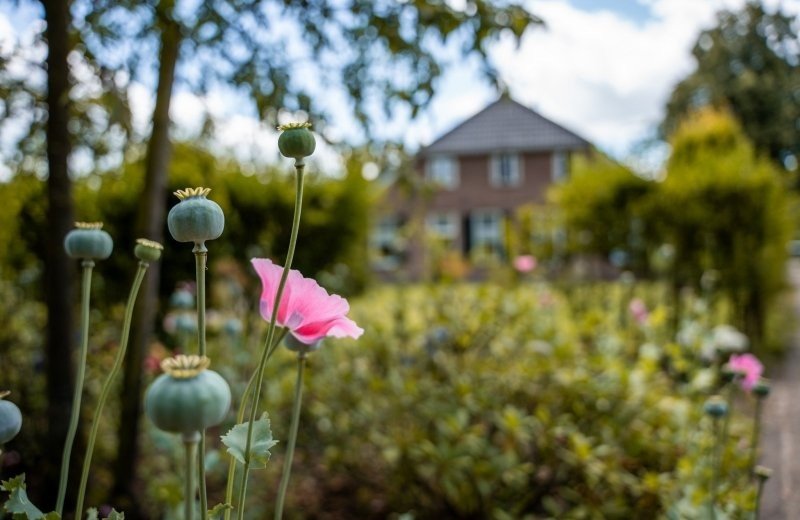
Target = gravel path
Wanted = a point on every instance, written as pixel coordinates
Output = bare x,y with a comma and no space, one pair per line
780,441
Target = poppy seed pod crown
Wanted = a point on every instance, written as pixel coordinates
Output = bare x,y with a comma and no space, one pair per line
187,397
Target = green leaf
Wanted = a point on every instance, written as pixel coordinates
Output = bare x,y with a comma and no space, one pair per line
18,503
91,513
218,511
236,441
115,515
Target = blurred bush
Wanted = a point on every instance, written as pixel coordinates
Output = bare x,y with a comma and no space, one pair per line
258,210
484,401
721,209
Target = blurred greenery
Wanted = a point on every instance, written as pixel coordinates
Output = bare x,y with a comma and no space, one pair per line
491,401
748,63
721,216
258,208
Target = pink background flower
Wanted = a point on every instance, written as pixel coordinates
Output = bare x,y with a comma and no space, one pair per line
306,309
525,263
750,366
638,310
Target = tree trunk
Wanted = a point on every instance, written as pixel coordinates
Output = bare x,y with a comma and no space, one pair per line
150,224
59,269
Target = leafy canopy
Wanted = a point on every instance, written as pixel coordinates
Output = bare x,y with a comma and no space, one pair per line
748,63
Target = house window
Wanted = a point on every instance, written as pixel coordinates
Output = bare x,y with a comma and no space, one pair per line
487,231
559,167
443,171
387,243
443,225
505,170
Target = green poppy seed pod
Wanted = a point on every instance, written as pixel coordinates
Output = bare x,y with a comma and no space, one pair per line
761,388
187,397
295,345
88,241
10,419
195,218
716,406
147,250
762,472
182,299
296,141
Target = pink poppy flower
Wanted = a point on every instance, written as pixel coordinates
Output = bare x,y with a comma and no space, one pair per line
638,310
306,309
749,366
525,263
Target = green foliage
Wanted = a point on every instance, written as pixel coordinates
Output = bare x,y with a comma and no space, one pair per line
218,511
258,209
601,205
18,503
481,401
721,208
262,442
748,63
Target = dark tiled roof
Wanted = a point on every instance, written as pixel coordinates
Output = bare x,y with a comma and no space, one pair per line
505,125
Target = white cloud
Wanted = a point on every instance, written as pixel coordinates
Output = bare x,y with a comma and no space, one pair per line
601,74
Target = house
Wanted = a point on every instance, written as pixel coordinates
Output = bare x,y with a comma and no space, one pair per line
468,184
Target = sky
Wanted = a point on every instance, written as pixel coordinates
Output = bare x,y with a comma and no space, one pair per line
602,68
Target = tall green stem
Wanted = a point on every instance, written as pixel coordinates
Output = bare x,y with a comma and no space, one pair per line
287,463
716,461
726,424
756,434
298,203
123,346
201,256
239,419
86,286
188,478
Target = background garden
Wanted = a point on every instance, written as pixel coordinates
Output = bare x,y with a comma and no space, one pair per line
577,389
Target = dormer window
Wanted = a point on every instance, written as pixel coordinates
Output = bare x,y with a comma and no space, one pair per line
442,170
506,171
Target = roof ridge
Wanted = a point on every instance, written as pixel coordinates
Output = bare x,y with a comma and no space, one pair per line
566,139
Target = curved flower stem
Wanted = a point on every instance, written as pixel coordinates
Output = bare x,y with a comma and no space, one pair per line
86,286
188,478
200,256
287,463
298,203
123,346
239,419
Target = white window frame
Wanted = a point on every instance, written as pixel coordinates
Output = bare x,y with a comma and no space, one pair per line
443,171
559,164
514,179
444,224
480,234
385,237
